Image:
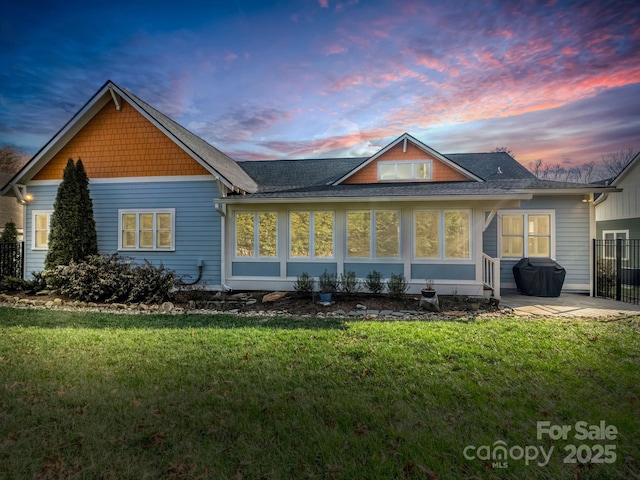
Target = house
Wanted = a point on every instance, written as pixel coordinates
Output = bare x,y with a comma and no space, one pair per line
163,194
618,216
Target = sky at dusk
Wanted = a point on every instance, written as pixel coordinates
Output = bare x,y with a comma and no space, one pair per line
554,80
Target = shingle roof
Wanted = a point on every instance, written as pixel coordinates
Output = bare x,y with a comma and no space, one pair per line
426,189
217,160
490,166
286,175
275,175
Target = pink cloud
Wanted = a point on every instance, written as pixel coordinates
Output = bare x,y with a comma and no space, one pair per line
334,49
347,81
323,3
230,57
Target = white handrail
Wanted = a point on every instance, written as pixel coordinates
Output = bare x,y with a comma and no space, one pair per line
491,273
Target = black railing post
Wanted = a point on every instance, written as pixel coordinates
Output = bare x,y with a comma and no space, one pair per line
595,268
618,269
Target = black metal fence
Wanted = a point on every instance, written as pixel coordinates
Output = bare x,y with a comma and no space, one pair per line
11,256
617,269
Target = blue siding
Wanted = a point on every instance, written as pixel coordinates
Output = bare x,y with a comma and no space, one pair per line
386,269
443,271
572,238
197,224
312,268
255,269
490,239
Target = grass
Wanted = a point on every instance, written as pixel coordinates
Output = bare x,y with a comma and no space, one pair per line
92,396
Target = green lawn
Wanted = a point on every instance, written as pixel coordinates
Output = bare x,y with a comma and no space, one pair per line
212,396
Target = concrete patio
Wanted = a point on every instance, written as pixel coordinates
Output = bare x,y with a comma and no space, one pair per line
567,305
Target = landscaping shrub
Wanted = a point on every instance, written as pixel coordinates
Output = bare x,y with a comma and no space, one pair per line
328,282
304,285
14,284
349,284
397,286
374,282
103,278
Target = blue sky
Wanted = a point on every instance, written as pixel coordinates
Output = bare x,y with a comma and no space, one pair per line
555,80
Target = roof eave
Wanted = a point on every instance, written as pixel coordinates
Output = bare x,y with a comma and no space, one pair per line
248,199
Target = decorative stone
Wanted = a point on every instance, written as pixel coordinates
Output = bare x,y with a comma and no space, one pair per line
234,310
429,304
252,301
49,304
167,307
57,302
339,312
92,305
385,313
274,297
361,307
191,304
42,293
23,301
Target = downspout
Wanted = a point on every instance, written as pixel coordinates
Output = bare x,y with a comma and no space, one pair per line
221,208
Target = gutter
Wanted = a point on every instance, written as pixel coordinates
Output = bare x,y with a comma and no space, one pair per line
433,198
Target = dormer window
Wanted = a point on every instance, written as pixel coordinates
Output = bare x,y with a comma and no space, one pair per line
419,170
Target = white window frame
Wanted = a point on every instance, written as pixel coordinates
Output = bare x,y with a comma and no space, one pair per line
414,168
442,237
138,212
256,236
35,213
625,249
312,225
525,214
372,235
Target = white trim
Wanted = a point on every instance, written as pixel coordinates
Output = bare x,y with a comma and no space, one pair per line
372,236
239,200
413,163
525,234
137,212
625,250
418,144
312,224
441,240
34,213
256,237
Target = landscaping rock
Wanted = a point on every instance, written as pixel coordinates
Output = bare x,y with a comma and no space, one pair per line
49,304
361,307
274,297
42,293
252,301
57,302
167,307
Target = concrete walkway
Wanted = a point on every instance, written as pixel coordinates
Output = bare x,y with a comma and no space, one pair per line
567,305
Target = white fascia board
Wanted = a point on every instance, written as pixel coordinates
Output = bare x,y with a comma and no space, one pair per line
174,139
64,135
435,198
570,191
406,137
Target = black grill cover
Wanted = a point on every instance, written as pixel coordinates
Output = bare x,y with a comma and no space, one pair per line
540,277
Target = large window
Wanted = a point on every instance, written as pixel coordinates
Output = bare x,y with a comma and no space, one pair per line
526,234
442,234
41,220
373,234
311,234
256,234
405,170
146,229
